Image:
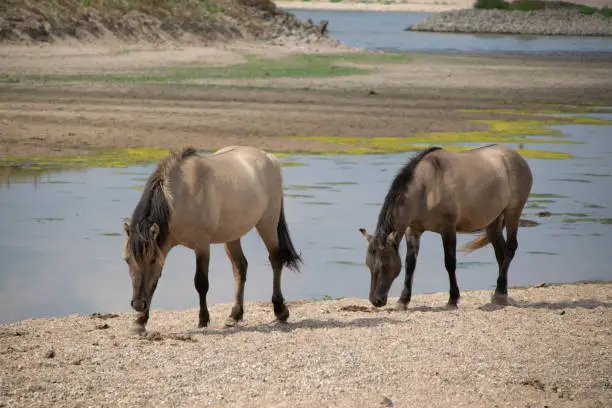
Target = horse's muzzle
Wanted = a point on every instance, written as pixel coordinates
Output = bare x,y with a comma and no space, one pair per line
377,301
139,305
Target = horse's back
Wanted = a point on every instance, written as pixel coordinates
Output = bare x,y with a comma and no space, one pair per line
232,188
475,186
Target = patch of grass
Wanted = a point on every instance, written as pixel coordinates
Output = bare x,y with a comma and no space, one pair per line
293,66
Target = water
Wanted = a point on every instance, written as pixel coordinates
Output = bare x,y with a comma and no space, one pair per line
385,31
61,243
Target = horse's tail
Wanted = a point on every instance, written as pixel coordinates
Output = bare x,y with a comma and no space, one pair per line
483,239
286,251
480,242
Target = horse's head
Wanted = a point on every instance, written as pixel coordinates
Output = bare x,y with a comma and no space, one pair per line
145,261
384,263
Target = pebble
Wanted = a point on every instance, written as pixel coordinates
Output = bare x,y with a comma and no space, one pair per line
542,22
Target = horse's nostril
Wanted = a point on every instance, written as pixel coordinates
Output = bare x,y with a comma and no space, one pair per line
144,304
132,303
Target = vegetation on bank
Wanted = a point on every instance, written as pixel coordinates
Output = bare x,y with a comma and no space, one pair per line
293,66
534,5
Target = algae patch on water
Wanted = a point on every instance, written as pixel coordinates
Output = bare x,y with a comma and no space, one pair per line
98,158
515,132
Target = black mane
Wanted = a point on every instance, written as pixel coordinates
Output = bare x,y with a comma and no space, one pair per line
153,208
386,218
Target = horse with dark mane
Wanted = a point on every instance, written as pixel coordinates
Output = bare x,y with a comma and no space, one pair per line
448,192
195,201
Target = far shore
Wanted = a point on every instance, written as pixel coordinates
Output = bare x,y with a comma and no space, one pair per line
427,6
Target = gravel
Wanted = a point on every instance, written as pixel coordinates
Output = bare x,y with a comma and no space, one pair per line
553,347
568,22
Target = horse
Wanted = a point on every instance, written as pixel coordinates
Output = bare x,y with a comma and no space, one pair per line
445,192
197,200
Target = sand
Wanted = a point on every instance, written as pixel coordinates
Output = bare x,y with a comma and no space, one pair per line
552,348
429,6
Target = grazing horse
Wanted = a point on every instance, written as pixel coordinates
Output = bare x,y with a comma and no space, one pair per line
448,192
195,201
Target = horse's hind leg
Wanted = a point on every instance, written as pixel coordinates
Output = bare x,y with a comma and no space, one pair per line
201,284
239,267
449,241
496,237
269,235
501,290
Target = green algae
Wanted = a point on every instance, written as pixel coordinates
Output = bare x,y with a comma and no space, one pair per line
561,109
522,132
98,158
546,195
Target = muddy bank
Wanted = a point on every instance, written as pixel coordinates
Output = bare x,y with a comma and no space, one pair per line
565,22
149,21
552,348
421,94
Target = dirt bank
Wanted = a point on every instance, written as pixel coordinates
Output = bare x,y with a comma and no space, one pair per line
83,110
553,348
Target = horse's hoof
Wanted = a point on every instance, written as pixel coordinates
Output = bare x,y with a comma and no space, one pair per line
452,305
138,328
500,299
401,307
231,322
283,314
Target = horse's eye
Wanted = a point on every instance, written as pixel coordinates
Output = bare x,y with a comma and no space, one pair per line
153,261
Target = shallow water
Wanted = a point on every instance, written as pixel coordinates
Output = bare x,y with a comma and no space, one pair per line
61,242
385,30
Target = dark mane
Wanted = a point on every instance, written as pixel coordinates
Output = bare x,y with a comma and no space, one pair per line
154,208
386,218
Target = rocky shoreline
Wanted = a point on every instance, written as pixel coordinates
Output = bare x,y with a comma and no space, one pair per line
542,22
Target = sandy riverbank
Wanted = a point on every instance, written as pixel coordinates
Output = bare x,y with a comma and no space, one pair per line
553,348
432,6
81,110
429,6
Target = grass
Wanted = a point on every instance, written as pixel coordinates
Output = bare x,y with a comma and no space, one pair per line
534,5
302,65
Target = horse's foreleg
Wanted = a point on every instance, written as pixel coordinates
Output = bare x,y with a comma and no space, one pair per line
412,252
501,290
449,241
201,284
239,267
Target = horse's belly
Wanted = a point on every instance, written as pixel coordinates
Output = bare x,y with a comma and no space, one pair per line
477,217
232,232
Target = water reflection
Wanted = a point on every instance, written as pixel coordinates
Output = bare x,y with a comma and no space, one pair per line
61,242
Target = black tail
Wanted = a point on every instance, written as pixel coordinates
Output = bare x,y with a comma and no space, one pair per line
286,252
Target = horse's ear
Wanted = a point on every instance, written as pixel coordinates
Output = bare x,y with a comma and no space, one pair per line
126,229
367,236
391,238
154,231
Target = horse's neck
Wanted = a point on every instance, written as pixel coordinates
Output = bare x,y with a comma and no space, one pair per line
406,210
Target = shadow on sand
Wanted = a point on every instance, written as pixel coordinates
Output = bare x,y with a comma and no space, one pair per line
582,303
276,326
